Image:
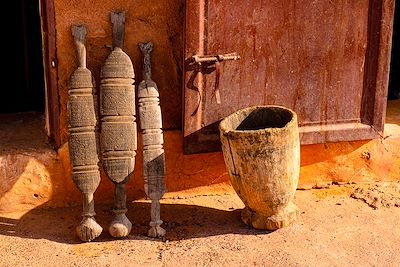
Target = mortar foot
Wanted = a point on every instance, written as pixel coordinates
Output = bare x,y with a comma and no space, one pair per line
270,222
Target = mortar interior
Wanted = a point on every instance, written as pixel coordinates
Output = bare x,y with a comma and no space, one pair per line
260,118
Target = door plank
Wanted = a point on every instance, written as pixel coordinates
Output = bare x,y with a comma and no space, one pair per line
50,69
316,57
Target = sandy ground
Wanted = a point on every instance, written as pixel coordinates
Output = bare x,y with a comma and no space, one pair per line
338,226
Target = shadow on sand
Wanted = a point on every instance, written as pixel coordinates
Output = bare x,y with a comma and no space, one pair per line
181,221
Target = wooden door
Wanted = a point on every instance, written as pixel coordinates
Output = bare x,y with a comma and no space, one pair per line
327,60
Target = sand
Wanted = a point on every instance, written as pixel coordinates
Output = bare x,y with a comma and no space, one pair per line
334,229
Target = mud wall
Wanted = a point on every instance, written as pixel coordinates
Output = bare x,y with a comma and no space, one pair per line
159,21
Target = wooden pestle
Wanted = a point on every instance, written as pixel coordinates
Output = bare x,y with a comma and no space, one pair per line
82,137
152,137
118,137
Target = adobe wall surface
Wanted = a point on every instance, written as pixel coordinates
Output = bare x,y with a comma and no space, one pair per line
158,21
43,178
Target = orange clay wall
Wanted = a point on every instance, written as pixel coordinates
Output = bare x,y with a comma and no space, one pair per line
42,178
159,21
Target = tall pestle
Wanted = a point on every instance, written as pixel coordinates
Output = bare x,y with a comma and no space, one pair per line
82,137
118,137
153,140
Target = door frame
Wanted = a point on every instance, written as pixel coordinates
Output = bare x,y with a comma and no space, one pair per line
52,108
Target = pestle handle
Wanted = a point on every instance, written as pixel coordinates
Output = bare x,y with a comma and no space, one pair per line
79,33
118,21
146,49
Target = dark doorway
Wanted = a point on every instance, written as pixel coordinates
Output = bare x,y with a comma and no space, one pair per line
394,80
23,81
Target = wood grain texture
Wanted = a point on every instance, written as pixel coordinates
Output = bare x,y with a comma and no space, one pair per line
82,137
319,58
153,140
261,151
118,138
50,58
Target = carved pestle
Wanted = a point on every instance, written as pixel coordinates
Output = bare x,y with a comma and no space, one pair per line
152,136
82,137
118,140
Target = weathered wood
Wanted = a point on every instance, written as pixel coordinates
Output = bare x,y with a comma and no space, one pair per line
51,71
153,140
118,140
82,137
261,150
328,61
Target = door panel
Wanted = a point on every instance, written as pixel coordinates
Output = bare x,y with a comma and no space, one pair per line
311,56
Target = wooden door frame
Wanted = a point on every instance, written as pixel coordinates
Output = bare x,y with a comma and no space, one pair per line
377,63
375,82
52,112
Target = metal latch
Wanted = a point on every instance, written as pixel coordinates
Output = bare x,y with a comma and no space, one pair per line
208,60
215,58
